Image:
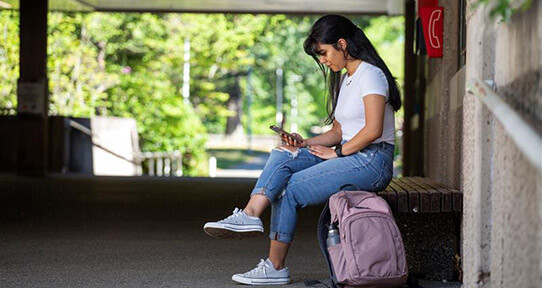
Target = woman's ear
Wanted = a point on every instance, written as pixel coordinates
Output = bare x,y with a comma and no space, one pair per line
342,47
342,44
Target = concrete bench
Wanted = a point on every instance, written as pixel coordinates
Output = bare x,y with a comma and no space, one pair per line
428,215
421,195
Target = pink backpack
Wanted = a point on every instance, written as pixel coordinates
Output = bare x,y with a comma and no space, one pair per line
371,252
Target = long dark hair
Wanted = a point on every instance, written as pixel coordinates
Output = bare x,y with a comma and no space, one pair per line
328,30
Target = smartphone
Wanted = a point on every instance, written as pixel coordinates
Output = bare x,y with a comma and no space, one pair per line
281,131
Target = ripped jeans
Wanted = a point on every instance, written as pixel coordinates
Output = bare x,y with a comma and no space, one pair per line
294,180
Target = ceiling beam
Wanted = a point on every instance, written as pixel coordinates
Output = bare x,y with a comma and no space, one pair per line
301,7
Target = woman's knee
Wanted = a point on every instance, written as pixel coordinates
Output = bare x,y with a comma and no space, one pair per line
293,194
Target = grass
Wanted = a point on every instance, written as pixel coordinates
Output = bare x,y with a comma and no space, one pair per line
227,158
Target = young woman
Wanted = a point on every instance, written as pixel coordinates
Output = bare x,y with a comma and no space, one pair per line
361,107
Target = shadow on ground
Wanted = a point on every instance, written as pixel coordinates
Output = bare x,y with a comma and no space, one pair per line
139,232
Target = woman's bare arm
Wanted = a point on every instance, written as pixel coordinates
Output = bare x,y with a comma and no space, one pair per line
329,138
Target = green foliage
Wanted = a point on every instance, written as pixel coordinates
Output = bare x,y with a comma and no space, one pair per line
9,60
140,53
387,35
77,78
227,158
118,65
131,65
280,46
504,9
218,55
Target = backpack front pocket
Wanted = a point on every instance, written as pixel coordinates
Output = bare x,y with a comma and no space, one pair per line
368,250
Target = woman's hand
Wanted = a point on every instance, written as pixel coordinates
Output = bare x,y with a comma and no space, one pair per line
293,141
322,151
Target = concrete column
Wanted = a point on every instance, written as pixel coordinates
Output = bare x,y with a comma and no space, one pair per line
477,153
32,91
516,250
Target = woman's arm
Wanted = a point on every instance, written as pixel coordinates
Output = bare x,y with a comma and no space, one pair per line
374,122
329,138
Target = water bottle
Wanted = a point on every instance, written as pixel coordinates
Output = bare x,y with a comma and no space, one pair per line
333,237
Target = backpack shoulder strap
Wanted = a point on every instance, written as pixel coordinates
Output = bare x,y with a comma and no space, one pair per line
325,218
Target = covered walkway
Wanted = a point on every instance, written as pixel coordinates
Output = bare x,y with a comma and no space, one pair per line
73,231
69,231
117,253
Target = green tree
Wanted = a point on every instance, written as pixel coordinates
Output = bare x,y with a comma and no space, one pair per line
76,67
9,60
220,59
131,65
138,48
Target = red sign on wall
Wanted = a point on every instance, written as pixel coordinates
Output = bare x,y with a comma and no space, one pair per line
432,22
426,3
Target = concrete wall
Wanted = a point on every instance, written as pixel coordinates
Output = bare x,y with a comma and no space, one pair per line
442,133
502,218
468,149
120,136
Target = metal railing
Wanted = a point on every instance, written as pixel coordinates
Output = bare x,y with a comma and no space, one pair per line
96,141
8,111
156,163
161,163
520,132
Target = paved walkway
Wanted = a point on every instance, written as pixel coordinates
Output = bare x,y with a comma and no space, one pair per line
77,231
137,254
142,254
250,169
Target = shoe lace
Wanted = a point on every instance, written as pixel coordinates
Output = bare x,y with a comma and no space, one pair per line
260,268
236,213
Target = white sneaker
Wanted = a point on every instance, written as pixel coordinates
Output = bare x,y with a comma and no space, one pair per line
237,225
263,274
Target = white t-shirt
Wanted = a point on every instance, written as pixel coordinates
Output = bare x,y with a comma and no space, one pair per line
350,110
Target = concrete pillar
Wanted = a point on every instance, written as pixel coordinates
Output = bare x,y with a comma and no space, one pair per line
32,92
502,191
516,232
477,154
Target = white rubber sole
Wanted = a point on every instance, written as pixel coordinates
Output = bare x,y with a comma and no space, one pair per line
228,231
255,281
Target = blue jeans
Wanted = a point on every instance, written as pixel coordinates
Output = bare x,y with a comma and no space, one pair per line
294,180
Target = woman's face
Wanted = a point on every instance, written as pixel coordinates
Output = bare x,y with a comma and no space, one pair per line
331,57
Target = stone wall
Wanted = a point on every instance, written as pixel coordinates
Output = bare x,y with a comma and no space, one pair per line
442,133
468,149
502,218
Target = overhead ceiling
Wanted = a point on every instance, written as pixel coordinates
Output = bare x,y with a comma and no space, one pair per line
389,7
